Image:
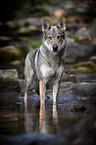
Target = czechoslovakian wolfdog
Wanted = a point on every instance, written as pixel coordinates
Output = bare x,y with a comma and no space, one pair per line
46,63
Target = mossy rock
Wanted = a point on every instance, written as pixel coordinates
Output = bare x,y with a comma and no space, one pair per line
9,74
10,53
70,40
93,59
80,70
88,64
85,67
82,35
27,30
23,38
32,44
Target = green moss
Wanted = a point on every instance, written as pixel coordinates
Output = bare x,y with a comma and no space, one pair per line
70,40
77,38
86,67
23,38
93,59
32,44
88,64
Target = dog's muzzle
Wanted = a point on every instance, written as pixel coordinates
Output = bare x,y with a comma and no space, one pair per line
55,48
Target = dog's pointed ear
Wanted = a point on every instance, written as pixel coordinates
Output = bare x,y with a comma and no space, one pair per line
45,25
61,24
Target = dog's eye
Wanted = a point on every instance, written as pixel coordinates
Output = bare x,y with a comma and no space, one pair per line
58,37
50,38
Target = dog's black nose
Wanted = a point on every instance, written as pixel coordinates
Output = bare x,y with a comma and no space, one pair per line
55,48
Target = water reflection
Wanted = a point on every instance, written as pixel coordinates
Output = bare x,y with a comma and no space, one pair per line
47,121
30,116
27,119
45,124
17,116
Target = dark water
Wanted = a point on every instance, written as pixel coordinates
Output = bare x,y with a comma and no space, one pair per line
17,116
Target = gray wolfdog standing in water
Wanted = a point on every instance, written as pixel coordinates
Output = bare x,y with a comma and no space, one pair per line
46,63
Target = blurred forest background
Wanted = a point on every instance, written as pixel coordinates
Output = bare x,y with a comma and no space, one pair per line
20,30
12,9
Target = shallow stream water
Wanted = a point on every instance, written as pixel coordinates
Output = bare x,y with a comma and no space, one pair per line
17,116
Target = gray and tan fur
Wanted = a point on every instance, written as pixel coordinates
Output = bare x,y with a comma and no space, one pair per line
47,62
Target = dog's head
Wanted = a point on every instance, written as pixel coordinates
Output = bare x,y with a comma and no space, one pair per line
54,36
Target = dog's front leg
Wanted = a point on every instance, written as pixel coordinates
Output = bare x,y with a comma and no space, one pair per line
55,91
42,88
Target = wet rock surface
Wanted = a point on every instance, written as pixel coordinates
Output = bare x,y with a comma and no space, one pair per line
85,89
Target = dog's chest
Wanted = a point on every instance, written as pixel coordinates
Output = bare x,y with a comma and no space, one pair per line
49,66
48,71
